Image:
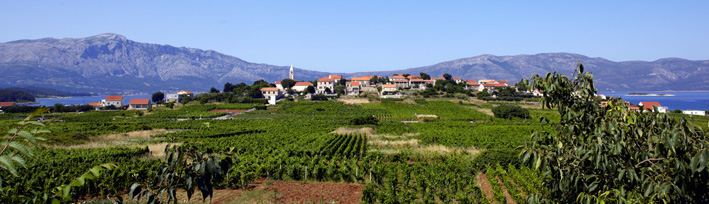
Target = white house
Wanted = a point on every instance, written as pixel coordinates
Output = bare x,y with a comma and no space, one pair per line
353,87
114,100
301,86
648,105
389,88
324,84
177,98
267,92
694,112
139,104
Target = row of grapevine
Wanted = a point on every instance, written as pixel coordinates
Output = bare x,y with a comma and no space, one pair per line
348,146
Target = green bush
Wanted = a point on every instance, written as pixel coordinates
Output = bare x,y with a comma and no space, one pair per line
364,120
510,111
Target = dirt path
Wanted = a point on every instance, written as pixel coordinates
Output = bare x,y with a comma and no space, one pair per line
485,186
299,192
507,194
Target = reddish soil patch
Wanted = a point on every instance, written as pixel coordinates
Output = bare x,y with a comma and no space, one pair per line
507,194
226,111
298,192
485,186
271,108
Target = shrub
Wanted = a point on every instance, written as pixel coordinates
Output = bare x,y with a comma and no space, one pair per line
510,111
364,120
319,97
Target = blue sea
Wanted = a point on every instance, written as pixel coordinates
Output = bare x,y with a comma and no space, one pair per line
680,100
83,100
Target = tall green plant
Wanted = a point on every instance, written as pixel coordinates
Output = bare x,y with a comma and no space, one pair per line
611,153
185,169
15,145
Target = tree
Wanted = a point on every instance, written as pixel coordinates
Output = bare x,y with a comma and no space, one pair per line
327,90
261,83
158,97
288,83
310,89
228,87
213,90
406,75
203,100
425,76
510,111
447,76
611,153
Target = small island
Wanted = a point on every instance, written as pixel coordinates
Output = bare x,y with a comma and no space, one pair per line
648,94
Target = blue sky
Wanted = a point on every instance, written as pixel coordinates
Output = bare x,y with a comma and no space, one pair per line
350,36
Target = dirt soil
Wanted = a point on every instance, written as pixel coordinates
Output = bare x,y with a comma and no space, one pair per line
298,192
485,186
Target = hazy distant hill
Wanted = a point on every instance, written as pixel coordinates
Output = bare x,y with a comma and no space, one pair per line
664,74
109,63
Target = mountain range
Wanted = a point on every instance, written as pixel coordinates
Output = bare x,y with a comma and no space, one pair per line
110,63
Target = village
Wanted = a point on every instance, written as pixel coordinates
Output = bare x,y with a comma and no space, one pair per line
336,86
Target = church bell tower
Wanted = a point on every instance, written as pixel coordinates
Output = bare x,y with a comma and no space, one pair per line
290,74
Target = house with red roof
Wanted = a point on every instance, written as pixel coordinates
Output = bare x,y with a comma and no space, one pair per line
648,106
139,104
3,104
267,92
389,88
325,83
353,87
301,86
363,81
112,100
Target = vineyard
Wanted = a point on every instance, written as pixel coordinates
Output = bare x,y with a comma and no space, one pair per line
294,141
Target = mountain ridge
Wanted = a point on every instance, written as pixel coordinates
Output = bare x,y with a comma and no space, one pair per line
111,63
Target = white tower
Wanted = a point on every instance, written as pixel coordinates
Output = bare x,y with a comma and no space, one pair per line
290,75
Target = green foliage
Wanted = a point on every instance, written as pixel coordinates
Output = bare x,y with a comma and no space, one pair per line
613,154
510,111
8,95
158,97
319,97
15,146
364,120
288,83
185,169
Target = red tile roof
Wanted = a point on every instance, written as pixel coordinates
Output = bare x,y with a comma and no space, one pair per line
413,77
364,78
454,78
438,78
95,103
303,84
269,89
335,77
114,98
139,101
325,79
7,103
650,103
419,79
354,83
278,82
400,80
495,85
389,86
188,92
472,82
